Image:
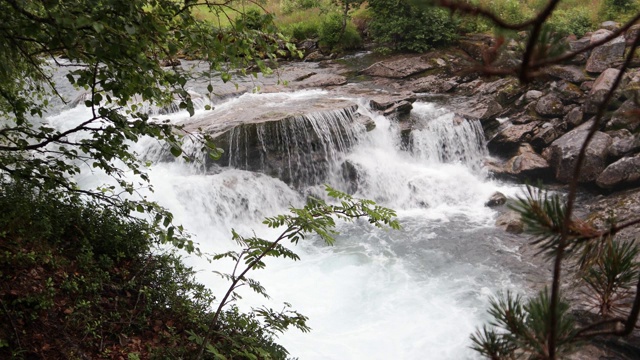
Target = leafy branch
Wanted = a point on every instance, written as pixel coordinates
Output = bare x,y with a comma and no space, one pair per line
317,217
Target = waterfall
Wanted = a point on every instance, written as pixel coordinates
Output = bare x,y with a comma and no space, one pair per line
300,150
377,294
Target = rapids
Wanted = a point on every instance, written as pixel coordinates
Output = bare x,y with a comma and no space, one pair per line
417,293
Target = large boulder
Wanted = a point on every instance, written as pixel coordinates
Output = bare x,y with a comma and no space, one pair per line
431,84
574,117
400,68
547,133
527,164
562,155
320,80
601,87
577,45
485,109
625,117
512,136
571,73
622,173
606,55
624,143
550,106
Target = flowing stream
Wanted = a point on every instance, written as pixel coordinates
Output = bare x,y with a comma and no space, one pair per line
417,293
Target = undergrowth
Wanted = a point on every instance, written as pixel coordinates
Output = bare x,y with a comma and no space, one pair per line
80,281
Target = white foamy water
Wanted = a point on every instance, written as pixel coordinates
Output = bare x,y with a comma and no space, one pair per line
417,293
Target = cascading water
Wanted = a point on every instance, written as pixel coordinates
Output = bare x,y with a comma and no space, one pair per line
416,293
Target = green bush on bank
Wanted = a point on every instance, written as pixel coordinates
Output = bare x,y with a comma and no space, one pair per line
400,26
332,37
571,22
81,280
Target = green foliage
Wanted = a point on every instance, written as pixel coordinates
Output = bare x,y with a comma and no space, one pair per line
289,6
317,217
519,328
576,21
58,268
304,30
612,276
254,19
331,34
511,11
405,27
618,10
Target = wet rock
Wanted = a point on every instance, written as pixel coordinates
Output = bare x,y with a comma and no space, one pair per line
496,199
622,173
550,106
431,84
510,138
387,101
574,117
398,69
562,155
402,107
510,222
527,164
627,116
321,80
601,87
606,55
485,109
571,73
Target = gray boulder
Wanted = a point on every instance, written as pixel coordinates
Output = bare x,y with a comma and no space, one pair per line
624,143
510,138
547,133
400,68
569,92
527,164
577,45
601,87
571,73
622,173
431,84
550,106
562,155
606,55
610,25
625,117
574,117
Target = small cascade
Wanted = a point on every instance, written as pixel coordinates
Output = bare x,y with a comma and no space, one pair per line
300,150
446,137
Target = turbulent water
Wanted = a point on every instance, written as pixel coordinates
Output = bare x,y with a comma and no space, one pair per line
417,293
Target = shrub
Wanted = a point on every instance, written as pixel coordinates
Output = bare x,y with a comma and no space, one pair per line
332,36
575,21
254,19
619,10
409,28
511,11
303,30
